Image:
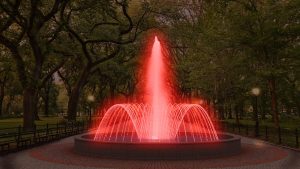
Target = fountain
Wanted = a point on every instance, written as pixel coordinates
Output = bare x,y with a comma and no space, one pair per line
158,127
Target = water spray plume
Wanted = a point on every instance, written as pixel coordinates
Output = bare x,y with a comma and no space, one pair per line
158,118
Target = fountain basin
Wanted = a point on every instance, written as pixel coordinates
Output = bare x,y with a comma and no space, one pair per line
227,145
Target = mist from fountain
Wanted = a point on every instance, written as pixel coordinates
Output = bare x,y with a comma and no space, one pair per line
158,118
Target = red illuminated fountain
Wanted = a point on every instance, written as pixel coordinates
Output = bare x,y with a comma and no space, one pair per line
158,118
157,127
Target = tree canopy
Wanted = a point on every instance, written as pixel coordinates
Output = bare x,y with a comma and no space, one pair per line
221,50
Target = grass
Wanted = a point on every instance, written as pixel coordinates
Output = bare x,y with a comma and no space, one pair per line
15,122
284,123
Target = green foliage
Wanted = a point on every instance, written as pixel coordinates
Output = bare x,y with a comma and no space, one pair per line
221,49
233,46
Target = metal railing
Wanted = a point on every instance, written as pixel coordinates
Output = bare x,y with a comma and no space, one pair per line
282,136
15,138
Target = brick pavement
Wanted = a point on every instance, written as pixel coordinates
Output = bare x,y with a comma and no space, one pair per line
60,155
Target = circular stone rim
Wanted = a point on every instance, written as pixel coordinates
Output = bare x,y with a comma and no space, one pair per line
158,151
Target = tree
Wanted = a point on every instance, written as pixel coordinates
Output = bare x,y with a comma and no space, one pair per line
28,30
98,40
49,95
9,85
223,40
4,77
266,31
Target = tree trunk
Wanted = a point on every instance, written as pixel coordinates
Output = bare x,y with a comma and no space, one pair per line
221,111
74,97
72,104
230,112
1,98
241,110
298,106
112,88
263,105
274,105
36,108
8,104
46,98
296,101
29,105
236,109
47,104
2,92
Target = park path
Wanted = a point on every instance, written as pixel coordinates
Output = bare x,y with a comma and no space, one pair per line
255,154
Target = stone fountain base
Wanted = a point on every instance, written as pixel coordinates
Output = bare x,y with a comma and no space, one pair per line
227,145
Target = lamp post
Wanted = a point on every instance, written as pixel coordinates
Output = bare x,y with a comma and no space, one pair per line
90,99
256,92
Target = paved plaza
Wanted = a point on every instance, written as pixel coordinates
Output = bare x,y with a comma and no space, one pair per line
60,155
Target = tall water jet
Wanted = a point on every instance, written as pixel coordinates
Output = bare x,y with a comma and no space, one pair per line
157,118
158,122
158,93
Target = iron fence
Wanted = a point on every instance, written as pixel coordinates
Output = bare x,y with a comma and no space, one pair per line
15,138
282,136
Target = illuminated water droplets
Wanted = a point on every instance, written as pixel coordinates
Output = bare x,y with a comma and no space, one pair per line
158,119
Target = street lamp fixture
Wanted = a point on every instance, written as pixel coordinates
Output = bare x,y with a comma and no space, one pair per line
90,99
256,92
201,102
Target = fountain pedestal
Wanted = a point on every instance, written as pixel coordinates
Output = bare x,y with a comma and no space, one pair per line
227,145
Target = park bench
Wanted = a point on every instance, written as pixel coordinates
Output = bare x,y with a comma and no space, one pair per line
8,136
69,129
47,134
5,145
60,129
14,136
79,127
24,142
53,133
24,138
40,137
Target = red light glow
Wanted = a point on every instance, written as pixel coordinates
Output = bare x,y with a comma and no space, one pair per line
158,118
